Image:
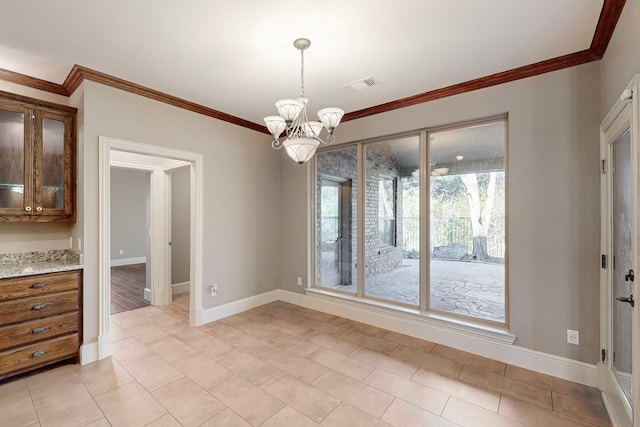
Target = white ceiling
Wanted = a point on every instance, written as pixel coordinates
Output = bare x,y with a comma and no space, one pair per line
237,56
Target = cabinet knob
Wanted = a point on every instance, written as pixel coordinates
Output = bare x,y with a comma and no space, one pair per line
39,209
39,306
39,353
38,285
38,330
27,208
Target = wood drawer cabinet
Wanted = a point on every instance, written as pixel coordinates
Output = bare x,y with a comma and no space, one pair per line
40,321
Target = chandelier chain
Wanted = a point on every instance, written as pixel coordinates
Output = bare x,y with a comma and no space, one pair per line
301,73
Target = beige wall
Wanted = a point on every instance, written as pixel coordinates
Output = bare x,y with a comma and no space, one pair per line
553,199
130,192
240,173
33,237
622,59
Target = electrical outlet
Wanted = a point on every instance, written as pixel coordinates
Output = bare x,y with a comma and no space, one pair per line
573,337
214,290
121,251
299,281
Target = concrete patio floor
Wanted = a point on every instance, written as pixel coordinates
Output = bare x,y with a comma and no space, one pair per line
469,288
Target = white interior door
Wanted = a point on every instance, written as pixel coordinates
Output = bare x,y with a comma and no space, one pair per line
622,277
620,228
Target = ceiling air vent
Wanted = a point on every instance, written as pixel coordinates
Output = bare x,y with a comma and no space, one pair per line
364,83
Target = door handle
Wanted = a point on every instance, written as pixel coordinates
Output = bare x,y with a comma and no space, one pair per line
629,277
629,300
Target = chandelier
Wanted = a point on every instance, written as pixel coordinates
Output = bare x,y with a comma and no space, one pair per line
302,136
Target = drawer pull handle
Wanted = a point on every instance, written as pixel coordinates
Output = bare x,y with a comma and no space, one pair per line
39,306
38,330
38,285
39,353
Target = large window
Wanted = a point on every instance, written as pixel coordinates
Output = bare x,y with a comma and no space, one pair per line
391,202
467,221
457,221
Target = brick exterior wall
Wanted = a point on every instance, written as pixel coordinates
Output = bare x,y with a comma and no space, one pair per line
380,162
341,164
380,257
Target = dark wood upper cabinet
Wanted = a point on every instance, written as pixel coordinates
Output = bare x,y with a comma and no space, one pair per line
37,160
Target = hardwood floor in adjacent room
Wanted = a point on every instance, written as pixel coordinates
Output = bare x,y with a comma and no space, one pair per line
127,287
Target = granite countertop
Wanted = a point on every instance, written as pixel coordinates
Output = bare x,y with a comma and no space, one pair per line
32,263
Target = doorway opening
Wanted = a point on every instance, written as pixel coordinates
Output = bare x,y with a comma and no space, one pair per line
165,168
335,255
130,221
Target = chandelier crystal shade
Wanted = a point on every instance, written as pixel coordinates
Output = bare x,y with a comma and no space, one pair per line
302,136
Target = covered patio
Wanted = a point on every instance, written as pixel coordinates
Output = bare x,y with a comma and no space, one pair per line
473,289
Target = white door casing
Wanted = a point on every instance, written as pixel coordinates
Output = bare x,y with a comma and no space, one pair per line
160,229
623,116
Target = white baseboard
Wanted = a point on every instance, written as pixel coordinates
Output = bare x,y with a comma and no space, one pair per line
235,307
147,294
88,353
128,261
96,350
180,288
482,343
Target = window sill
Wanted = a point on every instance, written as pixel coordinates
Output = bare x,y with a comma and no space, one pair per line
415,320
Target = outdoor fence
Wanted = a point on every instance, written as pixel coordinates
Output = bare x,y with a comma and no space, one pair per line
444,230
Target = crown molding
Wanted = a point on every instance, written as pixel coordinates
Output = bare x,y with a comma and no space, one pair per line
78,74
611,11
531,70
32,82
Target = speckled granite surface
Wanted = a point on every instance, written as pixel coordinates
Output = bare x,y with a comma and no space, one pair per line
31,263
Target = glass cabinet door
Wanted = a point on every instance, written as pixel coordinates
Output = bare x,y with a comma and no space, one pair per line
37,167
53,183
12,161
52,164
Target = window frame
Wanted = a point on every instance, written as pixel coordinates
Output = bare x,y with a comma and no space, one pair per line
425,188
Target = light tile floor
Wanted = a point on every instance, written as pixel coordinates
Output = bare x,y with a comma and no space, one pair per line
280,365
